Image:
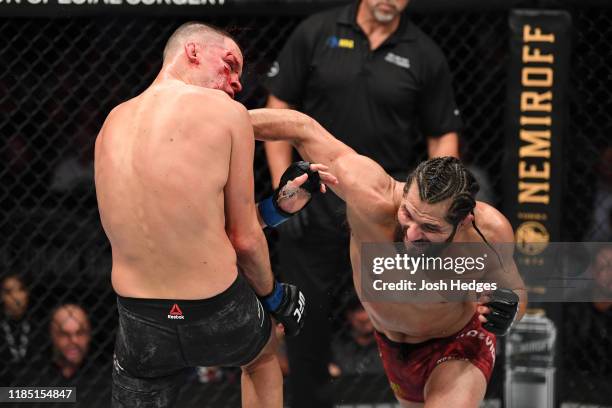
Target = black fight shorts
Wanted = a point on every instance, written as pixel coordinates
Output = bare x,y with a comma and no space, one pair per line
159,340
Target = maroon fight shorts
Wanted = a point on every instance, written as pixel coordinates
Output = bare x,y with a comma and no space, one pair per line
408,366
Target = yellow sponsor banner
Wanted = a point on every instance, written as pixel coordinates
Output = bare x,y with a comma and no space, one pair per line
536,122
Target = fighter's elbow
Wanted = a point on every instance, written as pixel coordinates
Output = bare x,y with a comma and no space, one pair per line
244,242
305,128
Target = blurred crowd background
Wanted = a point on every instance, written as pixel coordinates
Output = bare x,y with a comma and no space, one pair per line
61,77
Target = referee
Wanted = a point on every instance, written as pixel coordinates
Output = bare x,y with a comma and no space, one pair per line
376,82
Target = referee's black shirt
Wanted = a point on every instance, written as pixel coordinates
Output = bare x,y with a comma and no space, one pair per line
374,101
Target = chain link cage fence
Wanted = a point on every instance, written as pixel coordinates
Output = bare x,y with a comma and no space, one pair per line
61,77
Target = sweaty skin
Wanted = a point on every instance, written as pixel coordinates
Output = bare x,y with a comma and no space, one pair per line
174,180
375,203
160,176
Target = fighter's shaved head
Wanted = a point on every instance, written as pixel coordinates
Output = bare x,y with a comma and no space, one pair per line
193,30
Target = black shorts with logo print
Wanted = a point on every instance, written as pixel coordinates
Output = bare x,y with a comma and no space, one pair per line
158,340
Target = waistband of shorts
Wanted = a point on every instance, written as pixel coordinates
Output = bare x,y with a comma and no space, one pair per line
395,344
392,343
147,306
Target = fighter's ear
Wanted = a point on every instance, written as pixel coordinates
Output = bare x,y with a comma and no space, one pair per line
192,52
468,219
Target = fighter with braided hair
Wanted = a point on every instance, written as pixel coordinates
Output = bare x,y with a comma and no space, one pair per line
436,354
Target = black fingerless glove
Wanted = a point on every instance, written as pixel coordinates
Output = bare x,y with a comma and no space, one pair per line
287,305
270,211
296,169
504,305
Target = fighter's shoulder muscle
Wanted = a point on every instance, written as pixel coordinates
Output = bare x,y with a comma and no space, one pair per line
197,102
116,112
366,187
493,224
114,115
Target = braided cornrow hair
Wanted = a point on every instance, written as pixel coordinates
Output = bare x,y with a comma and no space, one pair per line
443,178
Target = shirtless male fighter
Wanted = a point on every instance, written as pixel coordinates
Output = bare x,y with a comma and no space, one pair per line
174,181
436,353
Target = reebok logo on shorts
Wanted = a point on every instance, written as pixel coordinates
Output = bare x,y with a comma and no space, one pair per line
176,313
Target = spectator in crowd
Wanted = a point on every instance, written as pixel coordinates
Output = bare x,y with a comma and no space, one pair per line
18,332
601,225
71,335
71,363
587,340
378,83
356,353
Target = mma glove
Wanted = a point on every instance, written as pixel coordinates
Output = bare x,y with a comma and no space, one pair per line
270,211
503,304
287,305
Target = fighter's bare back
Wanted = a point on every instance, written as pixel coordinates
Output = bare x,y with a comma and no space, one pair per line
162,160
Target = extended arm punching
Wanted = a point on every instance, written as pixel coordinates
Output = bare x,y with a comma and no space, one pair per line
313,142
360,179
